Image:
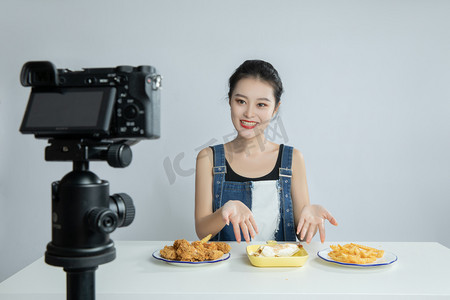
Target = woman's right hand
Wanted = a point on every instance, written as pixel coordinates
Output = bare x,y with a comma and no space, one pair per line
241,217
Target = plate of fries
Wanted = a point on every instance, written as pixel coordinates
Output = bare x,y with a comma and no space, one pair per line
353,254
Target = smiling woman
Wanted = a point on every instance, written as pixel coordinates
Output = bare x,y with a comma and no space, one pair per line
251,113
254,184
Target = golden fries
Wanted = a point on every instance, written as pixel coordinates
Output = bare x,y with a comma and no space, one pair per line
355,253
206,238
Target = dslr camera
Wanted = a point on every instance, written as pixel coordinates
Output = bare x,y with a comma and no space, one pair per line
121,103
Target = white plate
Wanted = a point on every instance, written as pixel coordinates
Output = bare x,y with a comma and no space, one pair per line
191,263
387,259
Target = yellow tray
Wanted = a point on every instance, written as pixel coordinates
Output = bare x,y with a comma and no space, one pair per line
296,260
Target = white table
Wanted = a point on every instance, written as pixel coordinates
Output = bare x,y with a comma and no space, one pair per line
422,271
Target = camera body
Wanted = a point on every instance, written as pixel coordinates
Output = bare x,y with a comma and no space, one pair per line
121,103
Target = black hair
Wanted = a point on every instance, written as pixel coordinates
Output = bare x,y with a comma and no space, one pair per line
261,70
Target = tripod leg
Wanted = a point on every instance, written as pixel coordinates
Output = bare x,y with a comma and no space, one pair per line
81,284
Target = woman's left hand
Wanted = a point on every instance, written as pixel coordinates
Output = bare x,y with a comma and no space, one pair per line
311,218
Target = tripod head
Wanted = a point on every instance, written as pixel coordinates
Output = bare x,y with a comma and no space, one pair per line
84,213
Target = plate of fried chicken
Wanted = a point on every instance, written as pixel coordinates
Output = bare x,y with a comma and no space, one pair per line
197,253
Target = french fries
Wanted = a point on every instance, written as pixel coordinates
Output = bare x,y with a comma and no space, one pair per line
206,238
355,253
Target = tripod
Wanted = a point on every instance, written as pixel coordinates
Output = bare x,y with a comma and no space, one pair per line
84,214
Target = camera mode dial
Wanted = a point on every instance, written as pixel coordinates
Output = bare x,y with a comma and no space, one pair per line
125,69
145,69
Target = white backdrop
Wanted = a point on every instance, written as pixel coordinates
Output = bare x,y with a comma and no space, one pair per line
366,101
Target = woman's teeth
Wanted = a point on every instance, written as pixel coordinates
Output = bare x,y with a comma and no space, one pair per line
248,123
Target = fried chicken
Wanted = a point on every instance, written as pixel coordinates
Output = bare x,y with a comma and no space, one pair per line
187,252
169,252
182,250
221,246
213,254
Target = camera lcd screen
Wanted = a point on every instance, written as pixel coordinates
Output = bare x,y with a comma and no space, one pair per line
70,111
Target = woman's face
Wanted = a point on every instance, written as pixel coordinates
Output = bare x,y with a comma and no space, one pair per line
252,107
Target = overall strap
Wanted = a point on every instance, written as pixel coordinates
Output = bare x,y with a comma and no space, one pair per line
286,162
219,160
285,175
219,170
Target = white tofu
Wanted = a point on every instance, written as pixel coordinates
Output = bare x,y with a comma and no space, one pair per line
279,250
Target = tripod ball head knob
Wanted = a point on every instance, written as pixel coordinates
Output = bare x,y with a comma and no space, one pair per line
119,155
103,220
123,205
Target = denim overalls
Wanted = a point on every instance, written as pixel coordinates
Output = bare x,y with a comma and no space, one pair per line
231,190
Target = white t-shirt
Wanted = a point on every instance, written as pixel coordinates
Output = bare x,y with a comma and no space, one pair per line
266,208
